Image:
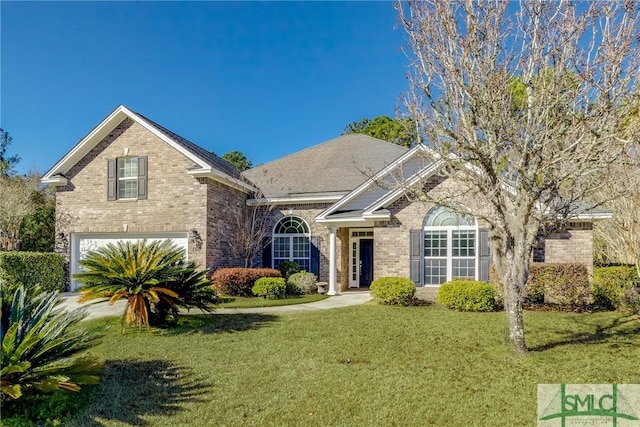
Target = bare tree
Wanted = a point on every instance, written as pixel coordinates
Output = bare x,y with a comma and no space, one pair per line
16,202
246,231
523,104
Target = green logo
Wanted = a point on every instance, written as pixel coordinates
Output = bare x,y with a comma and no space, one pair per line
615,405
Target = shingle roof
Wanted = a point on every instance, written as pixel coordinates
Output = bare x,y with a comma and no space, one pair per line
209,157
335,166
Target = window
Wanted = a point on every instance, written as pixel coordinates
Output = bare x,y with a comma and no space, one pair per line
127,178
291,242
450,242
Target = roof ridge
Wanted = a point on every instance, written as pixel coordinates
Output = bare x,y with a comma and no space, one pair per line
323,143
196,149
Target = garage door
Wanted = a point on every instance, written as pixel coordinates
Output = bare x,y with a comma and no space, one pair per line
83,243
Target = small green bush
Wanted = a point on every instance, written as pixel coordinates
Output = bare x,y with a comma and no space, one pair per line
270,288
611,283
33,268
287,268
303,282
238,282
467,295
393,290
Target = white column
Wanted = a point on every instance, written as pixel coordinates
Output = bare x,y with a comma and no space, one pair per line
332,261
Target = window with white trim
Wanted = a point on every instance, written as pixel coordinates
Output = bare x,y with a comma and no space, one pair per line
127,178
291,242
450,246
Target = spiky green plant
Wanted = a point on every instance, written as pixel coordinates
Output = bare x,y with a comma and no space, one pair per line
145,273
194,291
40,346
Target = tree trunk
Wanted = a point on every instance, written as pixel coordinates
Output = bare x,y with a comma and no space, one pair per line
515,314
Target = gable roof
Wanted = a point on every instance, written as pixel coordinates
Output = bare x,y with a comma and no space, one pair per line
326,171
206,164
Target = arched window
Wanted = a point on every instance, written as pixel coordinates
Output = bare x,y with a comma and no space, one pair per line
291,242
450,246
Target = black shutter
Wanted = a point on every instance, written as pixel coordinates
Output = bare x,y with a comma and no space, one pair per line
142,177
266,253
485,255
315,256
111,179
416,258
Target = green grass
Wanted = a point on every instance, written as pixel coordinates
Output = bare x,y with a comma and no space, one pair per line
368,365
252,302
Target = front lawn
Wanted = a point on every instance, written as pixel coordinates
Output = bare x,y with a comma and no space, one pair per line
368,365
253,302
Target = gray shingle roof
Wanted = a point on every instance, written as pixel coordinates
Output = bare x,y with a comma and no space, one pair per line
215,161
336,166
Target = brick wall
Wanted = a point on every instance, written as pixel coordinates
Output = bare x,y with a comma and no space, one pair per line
578,248
176,202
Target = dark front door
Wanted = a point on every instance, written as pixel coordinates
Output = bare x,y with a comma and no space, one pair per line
366,262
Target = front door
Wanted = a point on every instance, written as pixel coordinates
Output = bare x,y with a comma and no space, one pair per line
366,262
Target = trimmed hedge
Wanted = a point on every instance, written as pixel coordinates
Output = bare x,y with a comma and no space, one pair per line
287,268
33,268
393,290
270,288
611,283
239,281
467,295
561,283
303,282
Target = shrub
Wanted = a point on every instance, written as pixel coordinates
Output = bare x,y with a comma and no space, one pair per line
146,274
467,295
287,268
393,290
304,282
239,281
562,283
33,268
631,300
40,343
270,287
611,283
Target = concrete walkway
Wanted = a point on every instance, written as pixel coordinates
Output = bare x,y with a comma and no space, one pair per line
101,309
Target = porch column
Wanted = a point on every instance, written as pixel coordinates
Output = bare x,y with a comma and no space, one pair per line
332,261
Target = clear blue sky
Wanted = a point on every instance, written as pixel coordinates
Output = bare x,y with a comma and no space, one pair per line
264,78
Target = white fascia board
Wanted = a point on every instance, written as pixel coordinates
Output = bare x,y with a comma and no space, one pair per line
56,181
590,217
371,181
344,222
87,143
395,194
293,200
223,178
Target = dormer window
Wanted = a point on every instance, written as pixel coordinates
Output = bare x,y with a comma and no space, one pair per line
127,178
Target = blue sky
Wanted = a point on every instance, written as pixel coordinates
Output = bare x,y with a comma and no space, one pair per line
264,78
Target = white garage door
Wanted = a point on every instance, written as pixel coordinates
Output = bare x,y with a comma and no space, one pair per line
83,243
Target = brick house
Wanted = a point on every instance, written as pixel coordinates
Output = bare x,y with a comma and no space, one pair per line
335,208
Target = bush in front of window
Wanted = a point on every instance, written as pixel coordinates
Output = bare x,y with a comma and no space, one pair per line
393,290
237,282
467,295
287,268
270,288
611,283
303,283
45,269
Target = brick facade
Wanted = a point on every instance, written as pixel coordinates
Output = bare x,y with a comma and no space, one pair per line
176,201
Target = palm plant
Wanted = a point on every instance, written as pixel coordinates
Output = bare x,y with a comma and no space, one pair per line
39,345
194,290
145,273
